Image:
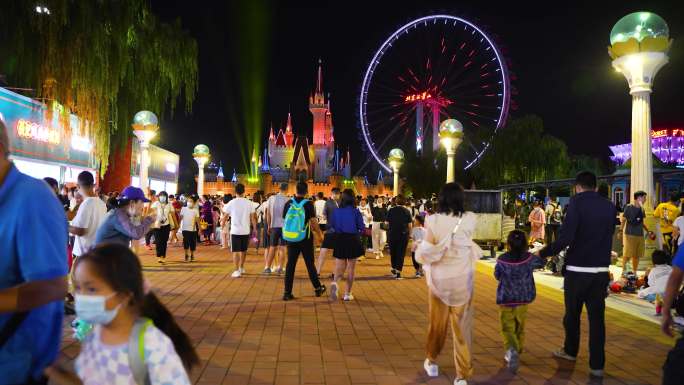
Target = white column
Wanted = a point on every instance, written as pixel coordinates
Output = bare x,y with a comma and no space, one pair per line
144,165
642,158
200,182
451,152
396,182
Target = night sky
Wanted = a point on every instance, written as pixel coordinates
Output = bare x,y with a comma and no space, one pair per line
558,56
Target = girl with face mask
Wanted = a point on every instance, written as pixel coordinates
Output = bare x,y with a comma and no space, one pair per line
124,223
110,295
162,211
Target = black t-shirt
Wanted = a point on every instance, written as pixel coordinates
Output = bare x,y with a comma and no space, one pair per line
399,218
309,212
379,213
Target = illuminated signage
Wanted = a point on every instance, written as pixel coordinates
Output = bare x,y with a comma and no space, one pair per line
417,97
81,143
669,132
37,132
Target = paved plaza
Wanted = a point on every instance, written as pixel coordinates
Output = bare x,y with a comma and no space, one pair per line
245,333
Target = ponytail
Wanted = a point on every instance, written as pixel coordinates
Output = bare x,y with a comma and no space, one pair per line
153,309
517,243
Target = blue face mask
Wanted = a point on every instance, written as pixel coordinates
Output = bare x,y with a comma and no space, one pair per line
92,308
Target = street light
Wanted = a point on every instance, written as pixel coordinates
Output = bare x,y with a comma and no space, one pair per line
639,45
145,127
451,136
396,159
201,156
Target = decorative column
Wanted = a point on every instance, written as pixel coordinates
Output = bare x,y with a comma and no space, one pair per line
145,127
201,156
451,136
639,45
396,159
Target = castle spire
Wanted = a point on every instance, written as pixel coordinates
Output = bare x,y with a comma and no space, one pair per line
271,136
319,81
288,127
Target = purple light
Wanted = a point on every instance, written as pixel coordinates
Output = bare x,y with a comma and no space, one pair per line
668,149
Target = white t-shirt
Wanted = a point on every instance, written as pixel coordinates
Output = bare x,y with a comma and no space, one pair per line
319,205
90,215
162,212
189,218
679,223
657,280
239,210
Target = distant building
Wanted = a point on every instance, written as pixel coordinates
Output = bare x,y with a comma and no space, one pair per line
290,158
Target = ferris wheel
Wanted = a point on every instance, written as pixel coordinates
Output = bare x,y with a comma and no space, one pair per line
433,68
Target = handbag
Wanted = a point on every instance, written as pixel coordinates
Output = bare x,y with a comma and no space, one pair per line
384,226
367,232
427,253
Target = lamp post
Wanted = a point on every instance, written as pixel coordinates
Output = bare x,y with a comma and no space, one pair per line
451,136
639,45
396,159
145,127
201,156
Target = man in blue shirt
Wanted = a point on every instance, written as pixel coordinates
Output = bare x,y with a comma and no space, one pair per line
33,268
673,370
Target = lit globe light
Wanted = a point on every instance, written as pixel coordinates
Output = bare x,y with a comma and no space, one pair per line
145,126
396,158
200,151
639,32
451,128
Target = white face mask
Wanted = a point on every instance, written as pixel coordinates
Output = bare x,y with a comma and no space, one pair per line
162,199
93,309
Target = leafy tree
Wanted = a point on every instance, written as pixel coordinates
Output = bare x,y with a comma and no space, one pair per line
103,60
522,152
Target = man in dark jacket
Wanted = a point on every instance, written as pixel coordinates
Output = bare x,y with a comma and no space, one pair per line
587,231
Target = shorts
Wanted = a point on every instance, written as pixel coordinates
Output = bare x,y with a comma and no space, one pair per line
328,241
276,237
322,226
239,243
634,246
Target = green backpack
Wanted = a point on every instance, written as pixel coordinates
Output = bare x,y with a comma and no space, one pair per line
295,227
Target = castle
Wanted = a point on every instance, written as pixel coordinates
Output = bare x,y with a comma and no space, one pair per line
287,157
290,158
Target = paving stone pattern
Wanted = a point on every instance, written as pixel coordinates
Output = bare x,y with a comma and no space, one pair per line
245,333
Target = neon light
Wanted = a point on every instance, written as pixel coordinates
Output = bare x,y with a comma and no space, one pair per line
81,143
418,96
37,132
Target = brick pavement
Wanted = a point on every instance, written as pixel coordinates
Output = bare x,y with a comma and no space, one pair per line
245,333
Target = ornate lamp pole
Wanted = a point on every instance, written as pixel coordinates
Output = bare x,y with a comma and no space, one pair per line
639,45
396,159
145,127
201,156
451,136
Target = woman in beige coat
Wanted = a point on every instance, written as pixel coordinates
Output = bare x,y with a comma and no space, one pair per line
448,255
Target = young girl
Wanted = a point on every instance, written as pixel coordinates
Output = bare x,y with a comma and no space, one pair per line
417,236
189,217
110,295
516,289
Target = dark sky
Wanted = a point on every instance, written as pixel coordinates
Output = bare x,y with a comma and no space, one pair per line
557,53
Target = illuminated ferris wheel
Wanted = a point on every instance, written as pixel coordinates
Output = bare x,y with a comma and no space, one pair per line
433,68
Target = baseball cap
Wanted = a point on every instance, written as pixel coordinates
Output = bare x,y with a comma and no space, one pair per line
132,193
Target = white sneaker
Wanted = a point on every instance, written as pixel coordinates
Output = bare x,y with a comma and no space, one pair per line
431,369
460,381
333,291
242,270
377,256
348,297
512,359
236,274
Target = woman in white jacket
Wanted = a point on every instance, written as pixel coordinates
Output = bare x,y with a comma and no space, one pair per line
448,254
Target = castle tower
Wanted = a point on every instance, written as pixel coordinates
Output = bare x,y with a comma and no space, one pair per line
319,109
289,136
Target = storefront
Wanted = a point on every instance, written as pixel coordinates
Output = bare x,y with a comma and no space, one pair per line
41,146
163,170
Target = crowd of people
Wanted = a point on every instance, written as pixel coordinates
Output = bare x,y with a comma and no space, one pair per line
128,336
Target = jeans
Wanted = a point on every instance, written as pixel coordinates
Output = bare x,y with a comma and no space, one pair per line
588,289
416,265
161,240
673,369
306,248
397,245
552,232
378,235
148,237
513,326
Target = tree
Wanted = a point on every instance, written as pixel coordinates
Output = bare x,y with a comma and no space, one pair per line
424,174
103,60
522,152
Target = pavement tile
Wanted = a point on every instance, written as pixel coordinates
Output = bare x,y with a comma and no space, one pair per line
245,334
